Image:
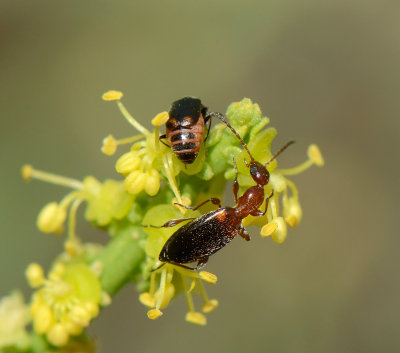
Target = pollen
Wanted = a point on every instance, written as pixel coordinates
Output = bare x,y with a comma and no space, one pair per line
208,277
112,96
109,145
280,233
268,229
196,318
209,306
315,155
147,299
26,172
154,314
160,119
51,218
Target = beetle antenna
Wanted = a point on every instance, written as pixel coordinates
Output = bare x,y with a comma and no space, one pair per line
226,122
279,152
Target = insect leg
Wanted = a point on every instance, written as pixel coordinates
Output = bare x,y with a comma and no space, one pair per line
208,118
163,137
243,233
171,223
235,186
201,263
214,200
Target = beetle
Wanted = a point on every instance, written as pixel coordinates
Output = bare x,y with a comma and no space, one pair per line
185,128
205,235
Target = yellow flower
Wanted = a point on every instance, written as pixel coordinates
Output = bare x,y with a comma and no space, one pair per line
14,316
65,302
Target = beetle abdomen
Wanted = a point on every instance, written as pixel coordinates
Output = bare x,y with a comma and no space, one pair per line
201,237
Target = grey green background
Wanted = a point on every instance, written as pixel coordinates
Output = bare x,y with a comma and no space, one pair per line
325,72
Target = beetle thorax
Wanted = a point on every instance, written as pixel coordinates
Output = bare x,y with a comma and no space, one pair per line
250,201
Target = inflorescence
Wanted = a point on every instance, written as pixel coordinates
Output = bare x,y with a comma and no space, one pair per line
85,276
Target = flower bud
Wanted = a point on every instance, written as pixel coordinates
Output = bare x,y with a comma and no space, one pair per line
135,182
51,218
128,162
152,182
34,274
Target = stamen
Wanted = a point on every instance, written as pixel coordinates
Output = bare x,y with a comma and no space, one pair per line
112,95
189,298
167,161
268,229
208,277
162,288
132,120
296,170
315,155
160,119
72,241
29,172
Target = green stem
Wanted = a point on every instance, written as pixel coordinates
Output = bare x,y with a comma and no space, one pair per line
120,259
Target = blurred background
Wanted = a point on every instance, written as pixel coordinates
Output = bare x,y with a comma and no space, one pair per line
325,72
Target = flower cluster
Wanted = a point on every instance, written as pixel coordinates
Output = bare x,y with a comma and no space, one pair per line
156,188
65,302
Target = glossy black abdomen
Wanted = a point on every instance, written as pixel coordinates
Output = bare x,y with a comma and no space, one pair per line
201,237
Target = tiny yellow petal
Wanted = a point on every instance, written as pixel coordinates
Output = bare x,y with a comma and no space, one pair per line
160,119
109,145
268,229
26,172
315,155
58,335
209,306
196,318
147,299
112,96
154,314
34,274
208,277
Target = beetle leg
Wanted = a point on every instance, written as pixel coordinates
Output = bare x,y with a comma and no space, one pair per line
243,233
235,186
183,266
214,200
163,137
266,203
201,263
171,223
